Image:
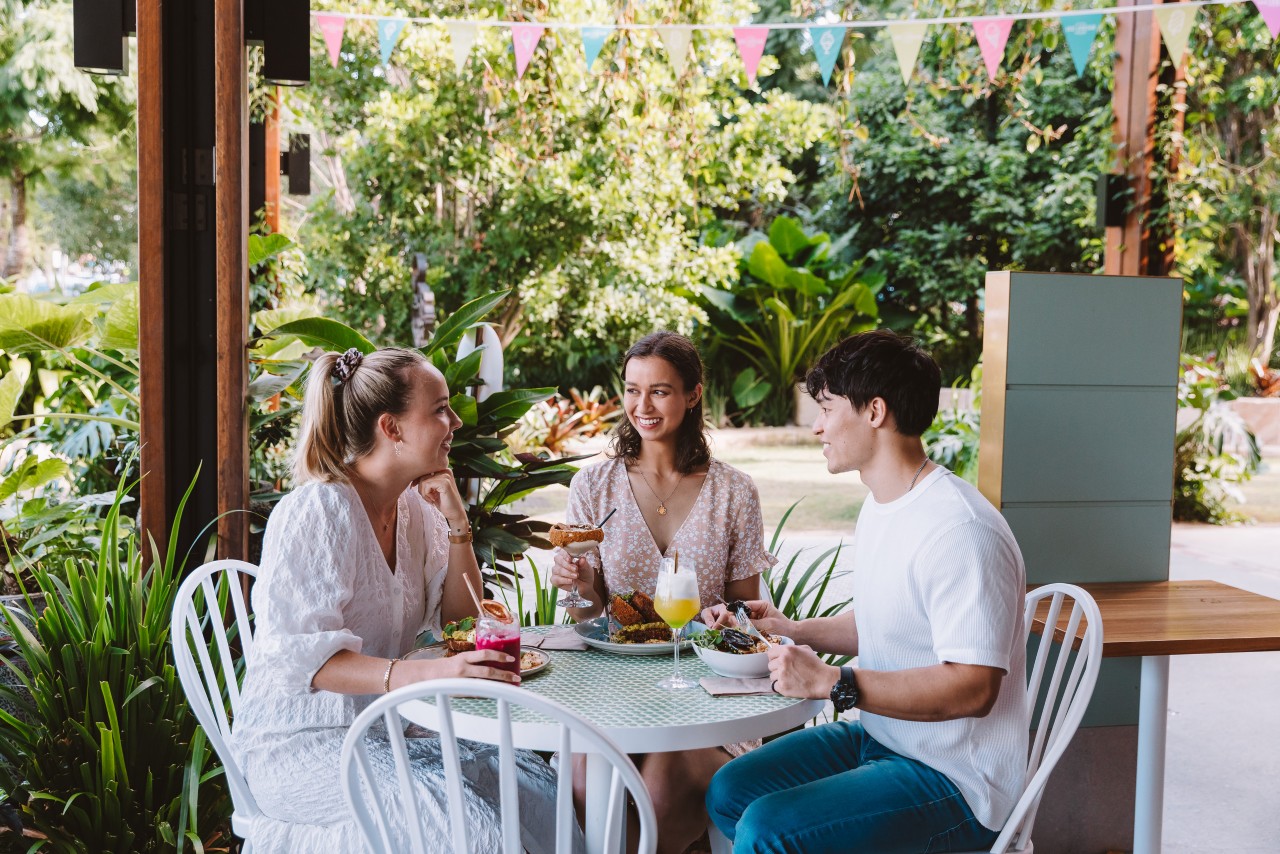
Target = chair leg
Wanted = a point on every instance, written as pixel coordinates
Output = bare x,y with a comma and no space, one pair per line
720,844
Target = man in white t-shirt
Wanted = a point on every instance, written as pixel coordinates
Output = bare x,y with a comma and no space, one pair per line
938,757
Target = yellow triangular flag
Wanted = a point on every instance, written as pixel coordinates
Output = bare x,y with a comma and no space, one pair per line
1175,25
462,34
676,41
907,39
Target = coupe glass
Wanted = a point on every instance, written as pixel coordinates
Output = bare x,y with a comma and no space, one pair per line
676,601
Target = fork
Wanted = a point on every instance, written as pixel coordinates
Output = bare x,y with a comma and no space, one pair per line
744,622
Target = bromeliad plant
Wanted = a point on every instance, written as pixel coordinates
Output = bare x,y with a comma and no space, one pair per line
1214,449
103,754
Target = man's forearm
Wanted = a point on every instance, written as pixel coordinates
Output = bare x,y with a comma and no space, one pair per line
940,692
838,634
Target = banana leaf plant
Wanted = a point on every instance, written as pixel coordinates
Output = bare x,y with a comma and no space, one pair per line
502,535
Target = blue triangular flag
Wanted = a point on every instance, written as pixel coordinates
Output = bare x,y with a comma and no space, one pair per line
826,45
593,38
1080,31
388,34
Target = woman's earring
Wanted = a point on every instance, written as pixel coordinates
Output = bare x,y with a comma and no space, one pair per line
398,444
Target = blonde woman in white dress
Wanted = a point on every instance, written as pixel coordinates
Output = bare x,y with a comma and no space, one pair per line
371,548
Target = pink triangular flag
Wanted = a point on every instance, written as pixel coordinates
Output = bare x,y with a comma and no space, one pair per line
525,38
331,27
993,35
1270,12
751,45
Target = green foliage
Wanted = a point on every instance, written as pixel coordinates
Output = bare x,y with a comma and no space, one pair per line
1214,449
103,753
952,438
1227,194
54,119
794,300
542,610
582,191
954,176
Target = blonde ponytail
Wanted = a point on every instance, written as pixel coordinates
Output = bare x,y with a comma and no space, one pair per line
340,415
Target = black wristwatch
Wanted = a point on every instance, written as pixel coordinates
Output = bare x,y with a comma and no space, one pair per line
844,694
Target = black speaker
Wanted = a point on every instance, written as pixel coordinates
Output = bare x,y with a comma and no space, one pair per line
99,29
283,28
296,163
1114,192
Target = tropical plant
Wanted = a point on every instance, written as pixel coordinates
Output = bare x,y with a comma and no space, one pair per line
800,593
794,300
103,753
1214,450
486,471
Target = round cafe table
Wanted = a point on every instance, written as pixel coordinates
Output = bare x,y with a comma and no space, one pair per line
620,695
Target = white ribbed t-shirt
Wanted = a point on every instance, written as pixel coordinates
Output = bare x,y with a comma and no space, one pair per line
938,577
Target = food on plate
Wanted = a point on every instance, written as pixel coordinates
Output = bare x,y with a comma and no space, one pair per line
732,640
639,621
633,608
460,636
529,660
577,539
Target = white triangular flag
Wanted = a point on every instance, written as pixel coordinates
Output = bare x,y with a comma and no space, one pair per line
907,39
462,34
676,41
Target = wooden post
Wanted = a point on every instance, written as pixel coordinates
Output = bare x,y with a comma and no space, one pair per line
272,164
231,120
151,268
1142,246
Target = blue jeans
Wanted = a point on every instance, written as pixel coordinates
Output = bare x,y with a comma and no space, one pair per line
835,788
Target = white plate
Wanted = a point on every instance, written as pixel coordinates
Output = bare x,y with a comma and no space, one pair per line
541,660
593,632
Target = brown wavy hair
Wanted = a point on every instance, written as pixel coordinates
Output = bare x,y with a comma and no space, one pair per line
339,416
692,448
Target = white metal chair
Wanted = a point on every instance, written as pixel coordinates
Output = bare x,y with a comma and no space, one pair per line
1064,702
196,629
576,734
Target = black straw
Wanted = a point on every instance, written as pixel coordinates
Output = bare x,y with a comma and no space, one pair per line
607,518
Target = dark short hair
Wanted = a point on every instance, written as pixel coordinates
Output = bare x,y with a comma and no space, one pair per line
883,364
692,448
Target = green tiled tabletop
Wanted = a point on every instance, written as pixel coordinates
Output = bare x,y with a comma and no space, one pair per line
619,694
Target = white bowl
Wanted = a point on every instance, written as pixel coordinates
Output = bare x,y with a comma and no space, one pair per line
750,665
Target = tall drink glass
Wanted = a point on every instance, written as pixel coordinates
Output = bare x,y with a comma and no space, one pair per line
676,601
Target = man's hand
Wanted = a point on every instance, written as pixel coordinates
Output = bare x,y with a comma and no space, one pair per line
797,671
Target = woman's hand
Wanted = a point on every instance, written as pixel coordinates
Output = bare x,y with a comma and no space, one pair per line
476,664
440,490
764,616
566,571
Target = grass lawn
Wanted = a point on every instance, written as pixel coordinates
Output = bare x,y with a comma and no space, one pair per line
785,473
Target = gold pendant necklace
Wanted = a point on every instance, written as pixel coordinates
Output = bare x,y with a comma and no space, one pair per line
662,502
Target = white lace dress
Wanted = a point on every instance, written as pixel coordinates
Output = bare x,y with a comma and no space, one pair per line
325,586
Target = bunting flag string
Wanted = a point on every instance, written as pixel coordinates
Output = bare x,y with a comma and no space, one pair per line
1080,27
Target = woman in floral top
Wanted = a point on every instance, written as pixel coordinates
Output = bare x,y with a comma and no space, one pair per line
670,496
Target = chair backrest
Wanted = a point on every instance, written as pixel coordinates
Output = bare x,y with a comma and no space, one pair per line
202,652
1064,700
576,733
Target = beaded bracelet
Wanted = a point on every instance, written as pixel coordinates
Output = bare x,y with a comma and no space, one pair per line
386,677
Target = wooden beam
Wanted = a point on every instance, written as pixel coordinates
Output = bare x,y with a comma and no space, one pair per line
231,216
272,164
1142,246
153,511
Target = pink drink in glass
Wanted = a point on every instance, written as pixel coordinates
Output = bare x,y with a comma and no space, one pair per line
503,637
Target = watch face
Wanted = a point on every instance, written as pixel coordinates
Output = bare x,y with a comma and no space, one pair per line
844,694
